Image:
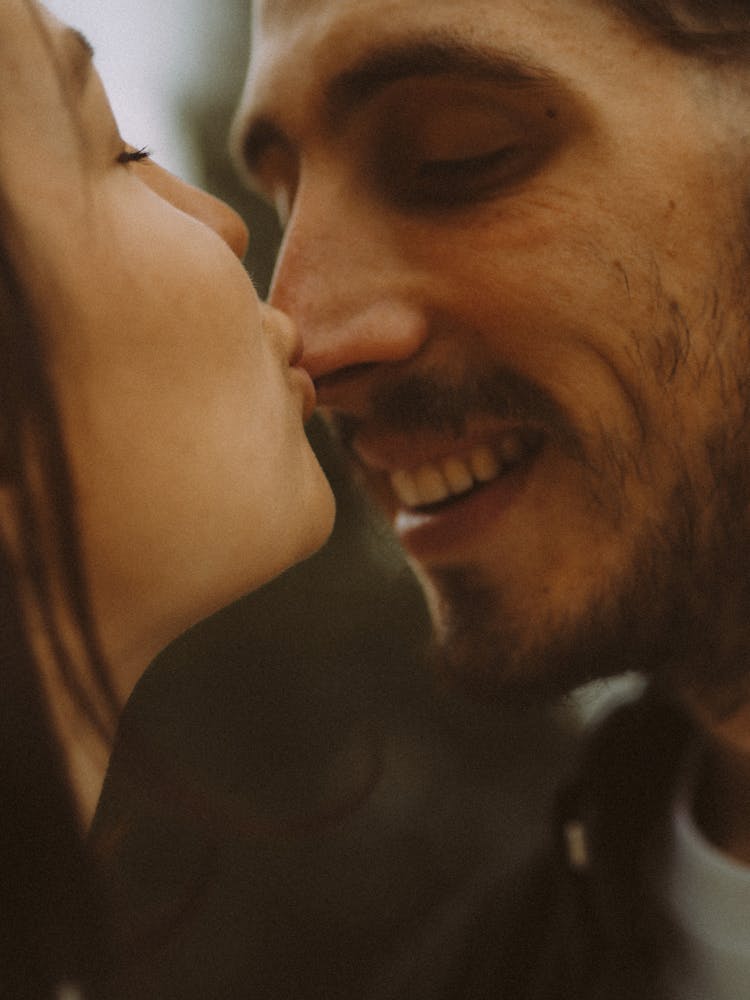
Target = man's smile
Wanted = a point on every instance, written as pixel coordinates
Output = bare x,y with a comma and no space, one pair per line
463,471
441,490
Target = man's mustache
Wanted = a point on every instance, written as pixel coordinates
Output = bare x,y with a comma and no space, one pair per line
419,402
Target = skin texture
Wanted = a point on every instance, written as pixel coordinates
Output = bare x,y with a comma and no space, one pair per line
181,402
585,286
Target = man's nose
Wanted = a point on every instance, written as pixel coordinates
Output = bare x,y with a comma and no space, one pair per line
340,278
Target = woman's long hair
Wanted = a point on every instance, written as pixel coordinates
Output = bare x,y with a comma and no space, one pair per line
51,927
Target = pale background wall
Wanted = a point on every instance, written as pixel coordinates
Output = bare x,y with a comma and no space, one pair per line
151,55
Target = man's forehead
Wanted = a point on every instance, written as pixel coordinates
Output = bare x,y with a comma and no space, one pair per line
281,19
342,29
302,48
270,14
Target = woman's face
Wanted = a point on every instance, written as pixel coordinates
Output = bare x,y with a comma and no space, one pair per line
181,405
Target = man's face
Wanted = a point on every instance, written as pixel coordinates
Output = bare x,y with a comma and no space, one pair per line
517,247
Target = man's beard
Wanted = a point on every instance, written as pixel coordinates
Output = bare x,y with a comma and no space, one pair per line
679,613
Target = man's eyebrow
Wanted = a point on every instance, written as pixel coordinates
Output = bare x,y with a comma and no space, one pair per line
432,56
436,55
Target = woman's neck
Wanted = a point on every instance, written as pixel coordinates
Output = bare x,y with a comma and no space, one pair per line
85,748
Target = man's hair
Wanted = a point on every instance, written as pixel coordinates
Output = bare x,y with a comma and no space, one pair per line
713,29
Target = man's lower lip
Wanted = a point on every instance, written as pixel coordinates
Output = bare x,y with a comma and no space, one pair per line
434,533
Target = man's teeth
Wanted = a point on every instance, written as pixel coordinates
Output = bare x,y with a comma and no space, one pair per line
436,481
484,466
458,476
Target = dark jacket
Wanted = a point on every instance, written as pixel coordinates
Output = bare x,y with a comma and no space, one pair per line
583,922
340,855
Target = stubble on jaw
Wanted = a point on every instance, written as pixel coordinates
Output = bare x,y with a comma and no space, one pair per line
483,647
679,615
679,611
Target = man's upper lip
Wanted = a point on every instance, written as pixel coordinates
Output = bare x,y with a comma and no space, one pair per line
390,452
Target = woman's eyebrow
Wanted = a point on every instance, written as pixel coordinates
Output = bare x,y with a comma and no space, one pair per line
81,57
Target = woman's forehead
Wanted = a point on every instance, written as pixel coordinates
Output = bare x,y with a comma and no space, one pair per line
44,101
32,37
45,66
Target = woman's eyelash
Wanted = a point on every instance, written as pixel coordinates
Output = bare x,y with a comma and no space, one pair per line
134,155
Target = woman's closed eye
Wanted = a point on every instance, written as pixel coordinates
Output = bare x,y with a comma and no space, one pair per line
134,155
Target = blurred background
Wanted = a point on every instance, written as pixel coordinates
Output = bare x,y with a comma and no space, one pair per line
361,811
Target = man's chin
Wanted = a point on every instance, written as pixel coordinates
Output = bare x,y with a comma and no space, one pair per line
479,651
489,667
487,650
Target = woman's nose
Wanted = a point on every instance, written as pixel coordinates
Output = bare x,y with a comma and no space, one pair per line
202,206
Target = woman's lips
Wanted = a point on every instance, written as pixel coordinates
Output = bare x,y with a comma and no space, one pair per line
307,388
